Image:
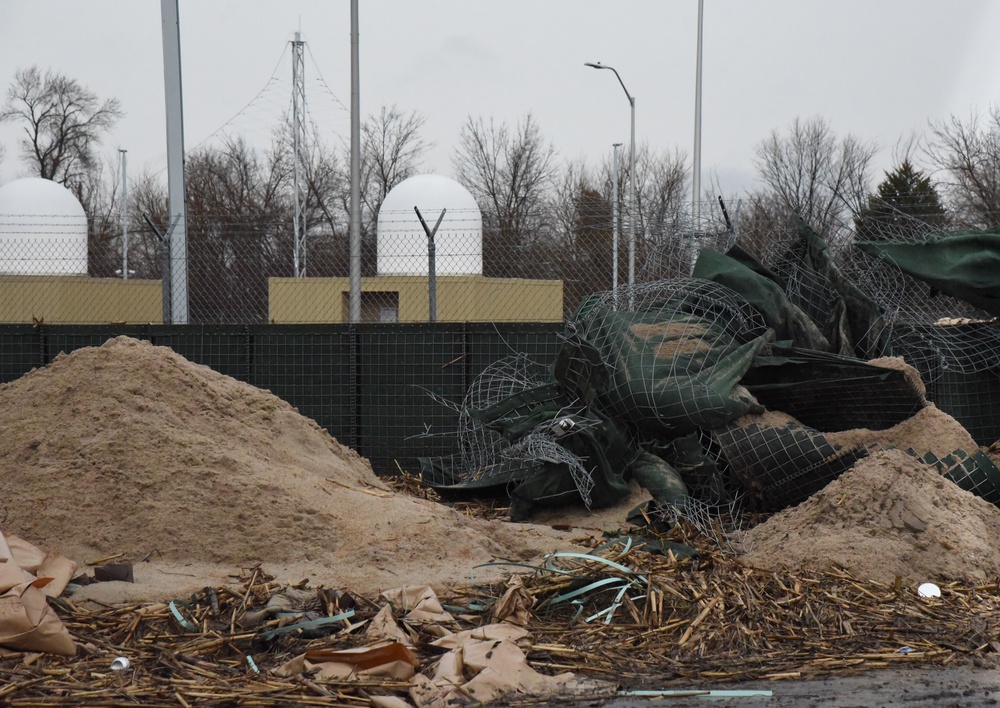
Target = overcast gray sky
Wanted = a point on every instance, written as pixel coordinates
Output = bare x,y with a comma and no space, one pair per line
878,69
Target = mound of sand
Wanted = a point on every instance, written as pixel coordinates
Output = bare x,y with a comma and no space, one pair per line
890,515
911,374
928,430
130,449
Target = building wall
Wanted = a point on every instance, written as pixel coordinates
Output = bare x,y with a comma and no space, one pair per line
55,299
460,298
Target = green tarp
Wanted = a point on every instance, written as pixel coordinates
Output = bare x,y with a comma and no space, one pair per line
852,323
964,265
661,394
762,289
831,392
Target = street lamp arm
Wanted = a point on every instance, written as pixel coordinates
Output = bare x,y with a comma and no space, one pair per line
634,201
599,65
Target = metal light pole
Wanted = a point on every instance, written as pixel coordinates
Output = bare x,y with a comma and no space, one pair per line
696,167
176,194
632,179
614,222
300,186
124,214
354,280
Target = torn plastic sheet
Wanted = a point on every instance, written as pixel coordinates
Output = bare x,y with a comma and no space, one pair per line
419,603
27,622
515,605
487,664
393,660
306,625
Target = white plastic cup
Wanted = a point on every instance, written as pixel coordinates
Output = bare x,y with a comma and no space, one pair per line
120,663
929,590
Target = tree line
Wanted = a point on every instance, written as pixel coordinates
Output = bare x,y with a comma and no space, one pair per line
542,218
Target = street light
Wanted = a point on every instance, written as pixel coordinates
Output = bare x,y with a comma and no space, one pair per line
632,206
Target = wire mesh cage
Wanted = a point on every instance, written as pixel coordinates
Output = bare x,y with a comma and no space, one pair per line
673,352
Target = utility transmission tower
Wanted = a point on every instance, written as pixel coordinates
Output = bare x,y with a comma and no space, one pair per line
299,157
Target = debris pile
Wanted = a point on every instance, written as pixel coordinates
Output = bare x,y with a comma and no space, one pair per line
158,458
703,621
744,388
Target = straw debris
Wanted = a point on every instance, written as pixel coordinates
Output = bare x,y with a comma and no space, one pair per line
711,618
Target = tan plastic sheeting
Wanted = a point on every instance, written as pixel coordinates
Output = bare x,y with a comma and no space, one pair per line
482,665
488,664
392,660
28,577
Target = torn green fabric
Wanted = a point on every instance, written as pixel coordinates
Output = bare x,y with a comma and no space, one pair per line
605,453
852,323
962,264
658,478
763,290
830,392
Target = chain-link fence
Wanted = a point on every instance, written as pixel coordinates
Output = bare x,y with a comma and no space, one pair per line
443,266
454,266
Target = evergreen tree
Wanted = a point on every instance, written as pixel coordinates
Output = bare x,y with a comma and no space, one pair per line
906,203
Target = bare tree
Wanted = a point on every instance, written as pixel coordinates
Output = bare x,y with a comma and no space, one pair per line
567,186
327,212
99,194
63,123
969,154
581,222
663,189
239,229
662,207
813,174
766,226
391,149
147,198
508,170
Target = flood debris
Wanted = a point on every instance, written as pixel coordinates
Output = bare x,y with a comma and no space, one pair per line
706,620
746,387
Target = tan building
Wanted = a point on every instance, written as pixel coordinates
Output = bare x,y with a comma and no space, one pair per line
43,264
400,290
403,298
79,299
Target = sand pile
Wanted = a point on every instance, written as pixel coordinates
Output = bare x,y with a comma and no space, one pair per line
928,430
890,515
130,448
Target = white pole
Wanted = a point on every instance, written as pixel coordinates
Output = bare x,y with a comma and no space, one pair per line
298,150
696,167
614,221
354,295
175,162
124,215
635,213
296,236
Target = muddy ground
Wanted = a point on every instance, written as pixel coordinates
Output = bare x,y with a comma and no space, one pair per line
948,687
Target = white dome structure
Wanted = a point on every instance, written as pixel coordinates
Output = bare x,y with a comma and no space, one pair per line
43,229
402,241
